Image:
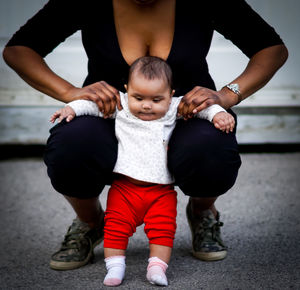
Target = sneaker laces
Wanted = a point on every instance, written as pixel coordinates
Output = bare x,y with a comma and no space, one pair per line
215,229
73,237
206,227
72,240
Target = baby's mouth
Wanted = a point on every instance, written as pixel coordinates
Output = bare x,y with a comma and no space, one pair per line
146,116
146,113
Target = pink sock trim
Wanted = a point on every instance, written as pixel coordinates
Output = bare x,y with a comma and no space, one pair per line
155,261
112,282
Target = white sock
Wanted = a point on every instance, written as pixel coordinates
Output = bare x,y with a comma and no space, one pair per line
156,271
115,266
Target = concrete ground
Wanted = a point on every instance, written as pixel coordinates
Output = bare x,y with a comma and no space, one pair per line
262,230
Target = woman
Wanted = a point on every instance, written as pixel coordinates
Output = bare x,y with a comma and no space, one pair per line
80,155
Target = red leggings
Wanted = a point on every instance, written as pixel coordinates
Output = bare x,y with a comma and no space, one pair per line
130,205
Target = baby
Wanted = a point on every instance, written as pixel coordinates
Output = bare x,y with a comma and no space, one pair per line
143,190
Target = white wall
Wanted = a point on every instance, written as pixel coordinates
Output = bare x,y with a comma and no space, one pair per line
24,112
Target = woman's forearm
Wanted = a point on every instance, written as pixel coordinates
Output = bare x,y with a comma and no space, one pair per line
260,69
32,68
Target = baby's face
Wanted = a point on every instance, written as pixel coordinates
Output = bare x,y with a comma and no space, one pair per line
148,99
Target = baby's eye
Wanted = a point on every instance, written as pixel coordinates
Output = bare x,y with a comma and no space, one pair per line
138,98
156,100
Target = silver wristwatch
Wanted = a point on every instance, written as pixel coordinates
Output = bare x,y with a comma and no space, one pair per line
236,89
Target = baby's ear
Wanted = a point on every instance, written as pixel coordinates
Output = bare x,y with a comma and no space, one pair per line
172,93
125,86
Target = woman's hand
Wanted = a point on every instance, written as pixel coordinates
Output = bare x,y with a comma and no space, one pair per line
65,113
198,99
103,94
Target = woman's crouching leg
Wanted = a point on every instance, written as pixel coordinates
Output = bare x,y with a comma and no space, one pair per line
80,157
205,162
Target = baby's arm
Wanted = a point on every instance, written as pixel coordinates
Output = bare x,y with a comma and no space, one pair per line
76,108
219,117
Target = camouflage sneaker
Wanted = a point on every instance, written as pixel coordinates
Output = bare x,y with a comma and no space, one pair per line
206,235
77,248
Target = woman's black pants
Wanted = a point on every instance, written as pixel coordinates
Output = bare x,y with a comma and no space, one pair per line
80,157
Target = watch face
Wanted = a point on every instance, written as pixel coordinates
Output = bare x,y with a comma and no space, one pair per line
235,87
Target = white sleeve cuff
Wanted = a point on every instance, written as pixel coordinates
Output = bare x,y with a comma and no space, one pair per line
210,112
85,107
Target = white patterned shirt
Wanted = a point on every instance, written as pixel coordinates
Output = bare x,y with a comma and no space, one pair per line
142,145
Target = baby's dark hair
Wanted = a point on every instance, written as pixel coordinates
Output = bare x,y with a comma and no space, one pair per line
151,67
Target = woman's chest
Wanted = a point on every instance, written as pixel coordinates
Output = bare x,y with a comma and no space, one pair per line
121,36
145,30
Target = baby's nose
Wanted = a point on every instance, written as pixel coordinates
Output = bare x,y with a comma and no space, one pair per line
146,105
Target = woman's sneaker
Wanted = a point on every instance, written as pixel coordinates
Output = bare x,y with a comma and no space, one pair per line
77,248
206,235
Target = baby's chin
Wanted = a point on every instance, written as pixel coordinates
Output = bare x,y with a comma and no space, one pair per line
147,116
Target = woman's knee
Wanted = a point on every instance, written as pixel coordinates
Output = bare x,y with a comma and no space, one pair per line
80,155
204,160
81,139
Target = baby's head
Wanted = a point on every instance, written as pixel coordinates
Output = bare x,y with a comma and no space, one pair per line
149,88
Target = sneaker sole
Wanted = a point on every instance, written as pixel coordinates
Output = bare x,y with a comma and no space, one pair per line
206,256
56,265
210,256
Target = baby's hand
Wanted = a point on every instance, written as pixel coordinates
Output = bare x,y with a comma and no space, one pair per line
66,112
224,121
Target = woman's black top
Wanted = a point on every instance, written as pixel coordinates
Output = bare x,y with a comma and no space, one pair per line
195,22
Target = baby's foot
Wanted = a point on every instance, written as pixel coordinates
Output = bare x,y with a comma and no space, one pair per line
115,266
156,272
